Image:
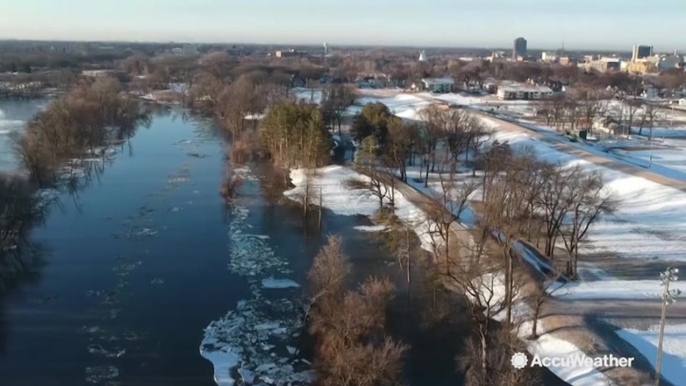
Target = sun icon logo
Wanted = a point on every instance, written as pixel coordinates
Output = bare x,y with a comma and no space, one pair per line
519,360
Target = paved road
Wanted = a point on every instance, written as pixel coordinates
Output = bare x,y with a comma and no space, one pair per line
562,144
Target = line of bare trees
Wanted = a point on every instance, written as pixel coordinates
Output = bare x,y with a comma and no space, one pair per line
579,109
93,114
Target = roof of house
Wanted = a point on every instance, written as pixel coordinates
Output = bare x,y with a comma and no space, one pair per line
525,88
438,81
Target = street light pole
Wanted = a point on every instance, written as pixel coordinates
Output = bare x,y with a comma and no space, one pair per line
668,297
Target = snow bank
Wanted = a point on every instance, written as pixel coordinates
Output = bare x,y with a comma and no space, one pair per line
546,345
665,132
673,366
650,219
615,289
549,346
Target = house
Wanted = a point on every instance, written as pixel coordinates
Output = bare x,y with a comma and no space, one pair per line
438,85
523,91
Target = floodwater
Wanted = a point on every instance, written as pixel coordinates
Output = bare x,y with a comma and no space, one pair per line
136,263
13,116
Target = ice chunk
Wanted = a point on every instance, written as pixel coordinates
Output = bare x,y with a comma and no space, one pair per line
279,283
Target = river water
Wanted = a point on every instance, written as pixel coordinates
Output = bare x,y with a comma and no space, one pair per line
13,116
135,264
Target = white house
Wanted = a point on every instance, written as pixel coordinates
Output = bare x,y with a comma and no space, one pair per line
438,85
524,92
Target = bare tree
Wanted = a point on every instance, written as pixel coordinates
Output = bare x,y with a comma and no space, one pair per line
540,294
648,118
554,201
369,164
352,348
589,202
336,99
399,146
448,204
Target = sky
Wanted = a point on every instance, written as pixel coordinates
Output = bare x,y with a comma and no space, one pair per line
581,24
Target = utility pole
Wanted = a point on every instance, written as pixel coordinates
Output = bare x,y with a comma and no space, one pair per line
668,297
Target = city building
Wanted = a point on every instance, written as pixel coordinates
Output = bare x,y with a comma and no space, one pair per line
549,57
326,48
438,85
604,64
287,54
640,52
565,60
641,67
523,91
519,48
666,62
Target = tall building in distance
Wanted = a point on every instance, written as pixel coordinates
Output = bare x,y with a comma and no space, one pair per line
519,48
326,48
641,52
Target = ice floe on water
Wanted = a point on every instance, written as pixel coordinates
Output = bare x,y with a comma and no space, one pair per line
255,344
370,228
112,353
99,374
279,283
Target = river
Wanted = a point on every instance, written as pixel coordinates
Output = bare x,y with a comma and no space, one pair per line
133,266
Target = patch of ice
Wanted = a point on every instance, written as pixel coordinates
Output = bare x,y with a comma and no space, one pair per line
279,283
99,374
258,331
370,228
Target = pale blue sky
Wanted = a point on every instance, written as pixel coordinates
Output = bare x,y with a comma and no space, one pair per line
592,24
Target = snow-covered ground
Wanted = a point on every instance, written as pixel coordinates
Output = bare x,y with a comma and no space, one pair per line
649,220
307,95
405,106
615,289
673,366
348,202
548,346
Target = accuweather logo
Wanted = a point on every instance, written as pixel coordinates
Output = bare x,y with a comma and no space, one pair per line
519,361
